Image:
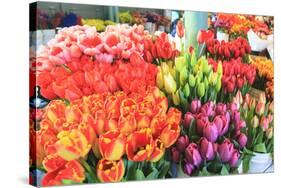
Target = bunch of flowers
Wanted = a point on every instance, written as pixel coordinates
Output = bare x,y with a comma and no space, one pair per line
99,24
160,49
85,77
236,76
96,131
125,17
46,21
228,50
139,18
265,76
259,119
188,78
223,23
212,138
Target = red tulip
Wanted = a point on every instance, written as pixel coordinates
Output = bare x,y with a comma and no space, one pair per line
204,36
180,29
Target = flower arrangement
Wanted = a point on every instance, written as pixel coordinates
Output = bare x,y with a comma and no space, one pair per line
211,140
188,78
260,126
236,76
228,50
265,75
101,130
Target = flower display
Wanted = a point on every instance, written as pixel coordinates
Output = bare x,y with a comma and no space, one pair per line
99,24
227,50
215,136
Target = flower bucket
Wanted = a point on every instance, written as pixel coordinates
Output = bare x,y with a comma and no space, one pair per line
261,163
48,35
258,44
222,36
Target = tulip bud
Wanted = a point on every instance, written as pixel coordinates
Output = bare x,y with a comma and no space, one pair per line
206,149
192,154
191,80
210,131
260,108
182,143
252,103
226,150
210,77
179,63
264,123
214,79
195,106
183,76
271,107
193,59
159,78
205,65
165,68
169,83
176,98
175,155
186,90
242,140
206,83
188,118
255,122
219,69
188,168
201,90
269,133
234,159
218,86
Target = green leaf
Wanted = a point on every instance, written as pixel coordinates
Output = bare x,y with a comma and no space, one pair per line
246,163
259,138
131,170
69,182
224,170
89,178
164,169
260,148
204,172
153,175
139,175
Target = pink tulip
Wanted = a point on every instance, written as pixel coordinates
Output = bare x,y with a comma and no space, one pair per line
260,107
201,122
188,168
242,140
236,116
264,123
192,154
232,107
182,143
226,150
195,106
206,149
188,118
208,109
241,124
234,159
220,109
210,131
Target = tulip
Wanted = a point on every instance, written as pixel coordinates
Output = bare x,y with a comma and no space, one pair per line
175,155
112,145
204,36
220,109
183,76
220,69
236,116
182,143
188,168
169,83
180,29
271,107
210,131
110,171
195,106
201,123
188,119
206,149
226,150
241,124
255,122
264,123
269,133
170,134
201,90
242,140
72,145
55,110
208,109
165,68
233,107
260,107
159,78
191,80
127,125
158,151
192,154
140,145
186,90
234,159
176,98
180,64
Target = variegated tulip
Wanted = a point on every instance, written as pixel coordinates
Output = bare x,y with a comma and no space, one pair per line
110,171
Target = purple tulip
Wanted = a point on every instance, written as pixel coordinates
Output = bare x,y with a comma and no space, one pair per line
220,109
236,116
201,123
234,159
195,106
188,118
225,124
208,109
226,150
242,140
210,131
175,155
182,143
206,149
188,168
192,154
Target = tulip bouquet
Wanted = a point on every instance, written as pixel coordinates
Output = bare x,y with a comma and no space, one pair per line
105,137
211,141
236,76
265,75
228,50
188,78
259,119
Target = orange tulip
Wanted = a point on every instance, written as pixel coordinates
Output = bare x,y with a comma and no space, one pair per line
88,132
140,145
112,145
73,114
55,109
127,125
157,124
143,121
110,125
158,151
110,171
128,106
71,170
170,134
72,145
53,162
173,116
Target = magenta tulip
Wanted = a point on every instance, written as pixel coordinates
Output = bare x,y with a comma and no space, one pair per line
210,131
208,109
234,159
232,107
195,106
236,116
192,154
206,149
241,124
226,150
220,109
201,123
242,140
175,155
188,168
182,143
188,118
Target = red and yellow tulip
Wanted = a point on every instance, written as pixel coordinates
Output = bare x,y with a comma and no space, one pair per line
110,171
